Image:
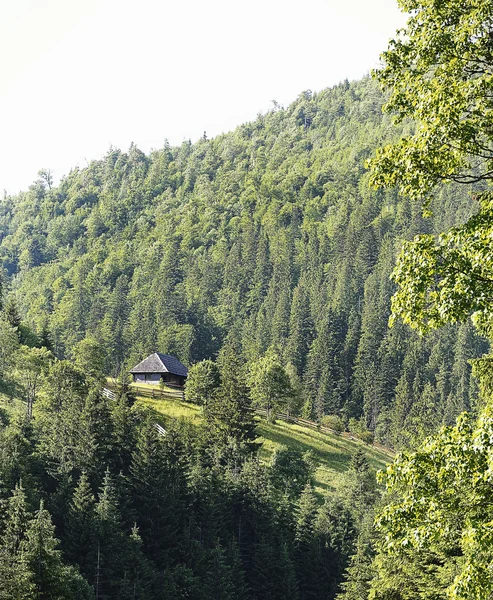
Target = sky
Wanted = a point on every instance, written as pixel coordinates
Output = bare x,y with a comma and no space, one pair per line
80,76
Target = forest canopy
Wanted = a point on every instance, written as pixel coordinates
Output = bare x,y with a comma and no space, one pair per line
270,234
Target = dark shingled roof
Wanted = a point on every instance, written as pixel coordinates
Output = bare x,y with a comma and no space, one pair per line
161,363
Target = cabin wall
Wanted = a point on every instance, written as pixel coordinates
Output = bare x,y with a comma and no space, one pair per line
173,379
153,378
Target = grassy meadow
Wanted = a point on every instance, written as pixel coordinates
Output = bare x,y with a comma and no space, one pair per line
332,453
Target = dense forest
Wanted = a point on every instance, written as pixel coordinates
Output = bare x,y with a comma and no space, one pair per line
269,235
269,260
97,503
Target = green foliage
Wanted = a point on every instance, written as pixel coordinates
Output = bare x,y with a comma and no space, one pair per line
270,385
9,343
291,470
202,381
438,513
434,532
268,234
447,278
360,430
16,578
437,71
263,249
31,364
333,422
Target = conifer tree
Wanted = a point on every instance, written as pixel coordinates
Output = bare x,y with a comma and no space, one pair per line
138,581
51,578
360,571
158,491
335,528
80,527
229,412
307,546
109,546
324,377
11,312
301,328
16,577
360,486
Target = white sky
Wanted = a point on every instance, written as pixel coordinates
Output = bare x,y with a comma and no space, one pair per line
77,76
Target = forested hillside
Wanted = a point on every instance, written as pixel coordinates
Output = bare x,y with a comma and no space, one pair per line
269,235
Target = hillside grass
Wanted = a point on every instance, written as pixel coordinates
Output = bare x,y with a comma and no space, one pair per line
148,386
332,453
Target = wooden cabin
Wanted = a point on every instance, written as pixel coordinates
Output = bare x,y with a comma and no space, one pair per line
159,367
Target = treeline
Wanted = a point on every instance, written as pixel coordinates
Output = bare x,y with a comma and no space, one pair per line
270,234
97,503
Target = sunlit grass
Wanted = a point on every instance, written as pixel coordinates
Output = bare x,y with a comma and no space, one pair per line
332,453
174,409
147,386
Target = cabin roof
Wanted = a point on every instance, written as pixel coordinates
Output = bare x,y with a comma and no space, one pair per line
161,363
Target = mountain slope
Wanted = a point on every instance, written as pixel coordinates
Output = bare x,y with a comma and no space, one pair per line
269,234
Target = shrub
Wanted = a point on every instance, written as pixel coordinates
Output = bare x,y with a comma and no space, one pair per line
333,422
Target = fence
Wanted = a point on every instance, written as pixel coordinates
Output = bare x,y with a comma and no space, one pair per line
108,393
160,394
154,392
318,427
112,396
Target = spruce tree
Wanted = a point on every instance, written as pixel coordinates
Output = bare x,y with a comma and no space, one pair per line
80,528
307,546
301,328
158,492
229,412
11,312
16,576
49,574
108,551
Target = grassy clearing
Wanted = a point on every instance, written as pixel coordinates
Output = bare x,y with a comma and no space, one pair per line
332,452
174,409
153,386
148,386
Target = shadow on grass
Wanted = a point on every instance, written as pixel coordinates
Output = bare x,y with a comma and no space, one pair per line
333,452
278,433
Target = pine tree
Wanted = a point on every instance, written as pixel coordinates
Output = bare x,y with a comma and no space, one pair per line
324,377
335,529
301,328
158,493
50,576
307,546
360,486
80,527
2,291
108,551
11,312
138,578
229,413
360,571
16,577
